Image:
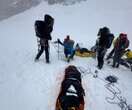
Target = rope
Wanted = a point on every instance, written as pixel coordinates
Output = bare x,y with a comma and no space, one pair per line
116,92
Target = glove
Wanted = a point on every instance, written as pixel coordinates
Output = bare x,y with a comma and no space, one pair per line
58,40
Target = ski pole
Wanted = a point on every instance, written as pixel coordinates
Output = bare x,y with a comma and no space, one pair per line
58,51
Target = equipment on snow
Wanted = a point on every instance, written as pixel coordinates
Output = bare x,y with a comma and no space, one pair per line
111,79
71,96
110,82
83,53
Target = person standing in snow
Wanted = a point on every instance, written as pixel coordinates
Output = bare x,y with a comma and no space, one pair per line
121,44
102,44
43,31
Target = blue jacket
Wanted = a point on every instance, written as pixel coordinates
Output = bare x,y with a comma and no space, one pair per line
68,46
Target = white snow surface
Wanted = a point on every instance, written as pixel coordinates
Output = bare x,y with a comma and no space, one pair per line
29,85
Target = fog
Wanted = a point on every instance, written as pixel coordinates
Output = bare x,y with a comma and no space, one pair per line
9,8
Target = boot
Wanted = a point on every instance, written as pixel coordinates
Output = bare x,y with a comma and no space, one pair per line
100,67
47,61
36,59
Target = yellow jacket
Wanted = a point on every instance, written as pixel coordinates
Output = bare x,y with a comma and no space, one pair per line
115,40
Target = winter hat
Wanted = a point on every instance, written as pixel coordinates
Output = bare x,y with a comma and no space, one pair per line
123,36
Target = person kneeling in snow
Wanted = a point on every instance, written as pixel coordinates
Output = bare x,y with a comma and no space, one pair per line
68,44
126,59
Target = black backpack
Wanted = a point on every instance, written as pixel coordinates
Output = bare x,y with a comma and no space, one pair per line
103,31
44,28
49,20
39,28
106,38
69,101
109,40
78,87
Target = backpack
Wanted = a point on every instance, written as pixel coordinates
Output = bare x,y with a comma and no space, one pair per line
44,28
49,22
104,37
39,28
103,31
69,101
109,40
78,87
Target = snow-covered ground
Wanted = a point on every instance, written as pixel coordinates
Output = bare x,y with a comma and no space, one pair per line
26,85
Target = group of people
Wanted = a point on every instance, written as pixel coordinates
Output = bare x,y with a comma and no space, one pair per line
121,43
105,38
43,31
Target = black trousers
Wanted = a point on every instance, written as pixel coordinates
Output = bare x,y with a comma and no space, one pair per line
117,58
100,57
71,54
46,49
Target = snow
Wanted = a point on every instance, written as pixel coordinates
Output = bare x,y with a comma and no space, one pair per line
29,85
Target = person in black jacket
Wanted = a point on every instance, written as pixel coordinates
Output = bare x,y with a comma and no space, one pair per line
103,43
43,31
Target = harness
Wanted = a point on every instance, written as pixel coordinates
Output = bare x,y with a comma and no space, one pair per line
74,79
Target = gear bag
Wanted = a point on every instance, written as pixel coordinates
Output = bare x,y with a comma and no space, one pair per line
109,40
44,28
69,101
39,28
